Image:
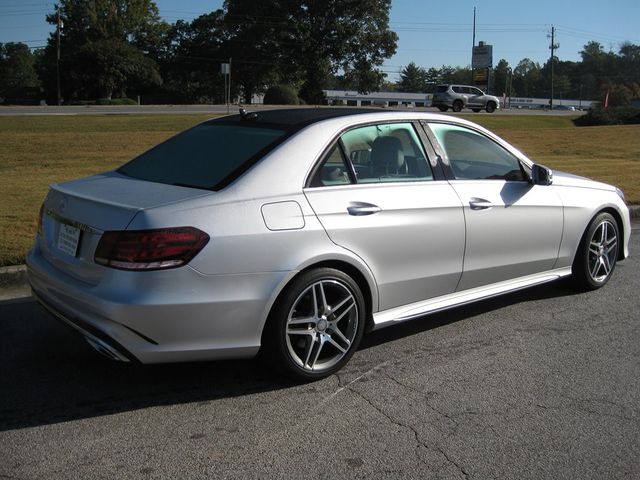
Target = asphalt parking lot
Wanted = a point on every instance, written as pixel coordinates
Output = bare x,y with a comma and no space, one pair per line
543,383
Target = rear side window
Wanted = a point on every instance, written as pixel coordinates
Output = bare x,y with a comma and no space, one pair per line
442,88
386,153
204,156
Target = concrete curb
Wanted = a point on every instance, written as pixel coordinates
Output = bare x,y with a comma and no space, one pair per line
15,276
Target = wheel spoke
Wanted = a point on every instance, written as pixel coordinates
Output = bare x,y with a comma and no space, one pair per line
323,298
316,313
603,237
299,331
594,247
336,331
606,264
594,269
310,345
346,310
320,343
612,244
346,299
299,321
337,345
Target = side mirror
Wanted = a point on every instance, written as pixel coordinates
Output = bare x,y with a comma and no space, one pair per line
541,175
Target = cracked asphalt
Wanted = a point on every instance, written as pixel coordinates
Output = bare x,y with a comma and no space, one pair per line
539,384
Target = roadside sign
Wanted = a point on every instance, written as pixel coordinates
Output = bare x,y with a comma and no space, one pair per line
482,56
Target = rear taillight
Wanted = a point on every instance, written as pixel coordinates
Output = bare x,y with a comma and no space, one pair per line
150,249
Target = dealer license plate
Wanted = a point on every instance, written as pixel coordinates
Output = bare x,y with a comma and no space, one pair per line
68,239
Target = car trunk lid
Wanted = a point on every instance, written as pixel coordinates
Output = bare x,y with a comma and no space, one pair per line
76,213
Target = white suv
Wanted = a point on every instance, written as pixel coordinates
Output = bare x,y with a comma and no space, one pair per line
457,97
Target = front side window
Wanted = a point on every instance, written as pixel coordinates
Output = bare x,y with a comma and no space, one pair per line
386,153
473,156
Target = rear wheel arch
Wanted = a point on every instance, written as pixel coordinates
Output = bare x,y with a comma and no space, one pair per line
353,271
279,339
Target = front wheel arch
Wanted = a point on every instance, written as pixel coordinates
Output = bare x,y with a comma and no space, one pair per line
586,258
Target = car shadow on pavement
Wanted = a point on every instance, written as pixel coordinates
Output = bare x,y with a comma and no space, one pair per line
556,289
50,375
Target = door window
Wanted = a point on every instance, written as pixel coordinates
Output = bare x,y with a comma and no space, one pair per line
332,171
386,153
473,156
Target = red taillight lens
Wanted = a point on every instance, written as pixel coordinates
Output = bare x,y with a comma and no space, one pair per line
150,249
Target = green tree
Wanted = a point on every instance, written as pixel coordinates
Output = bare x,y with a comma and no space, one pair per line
501,73
260,39
333,35
413,79
190,61
17,70
106,47
432,78
527,79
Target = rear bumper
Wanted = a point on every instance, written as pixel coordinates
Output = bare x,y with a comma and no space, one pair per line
163,316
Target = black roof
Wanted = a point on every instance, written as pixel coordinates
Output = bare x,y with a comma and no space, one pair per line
293,117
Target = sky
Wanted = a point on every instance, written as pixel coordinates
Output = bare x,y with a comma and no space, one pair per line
431,33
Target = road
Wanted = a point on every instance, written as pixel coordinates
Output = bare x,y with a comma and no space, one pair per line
540,384
212,109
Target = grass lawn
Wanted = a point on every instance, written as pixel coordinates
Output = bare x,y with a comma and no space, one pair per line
39,150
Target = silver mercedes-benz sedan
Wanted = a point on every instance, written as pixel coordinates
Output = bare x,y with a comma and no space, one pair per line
293,232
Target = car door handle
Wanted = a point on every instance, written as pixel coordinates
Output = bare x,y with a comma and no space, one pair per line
358,209
479,204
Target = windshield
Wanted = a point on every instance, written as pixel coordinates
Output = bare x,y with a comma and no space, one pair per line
207,156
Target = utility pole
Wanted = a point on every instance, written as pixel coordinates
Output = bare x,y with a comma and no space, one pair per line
473,43
552,47
58,27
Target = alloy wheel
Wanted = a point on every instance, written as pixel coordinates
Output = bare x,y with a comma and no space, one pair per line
322,325
603,251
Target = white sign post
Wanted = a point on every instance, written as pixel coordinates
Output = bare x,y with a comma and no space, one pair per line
225,69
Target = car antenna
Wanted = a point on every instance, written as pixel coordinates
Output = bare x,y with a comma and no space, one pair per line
244,115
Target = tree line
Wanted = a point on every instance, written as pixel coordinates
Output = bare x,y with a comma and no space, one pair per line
118,48
597,74
110,49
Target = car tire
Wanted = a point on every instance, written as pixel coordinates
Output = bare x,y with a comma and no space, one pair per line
491,107
476,110
443,109
597,254
316,324
457,106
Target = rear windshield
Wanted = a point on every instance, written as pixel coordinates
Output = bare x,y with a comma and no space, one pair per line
207,156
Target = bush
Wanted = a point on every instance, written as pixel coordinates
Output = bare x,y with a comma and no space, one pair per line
609,116
281,95
116,101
